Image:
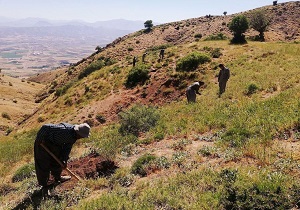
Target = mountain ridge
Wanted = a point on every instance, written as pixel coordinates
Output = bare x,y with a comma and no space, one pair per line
178,33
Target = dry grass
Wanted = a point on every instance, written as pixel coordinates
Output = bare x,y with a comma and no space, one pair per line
17,100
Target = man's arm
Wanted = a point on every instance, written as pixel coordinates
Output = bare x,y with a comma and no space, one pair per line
228,74
43,134
66,152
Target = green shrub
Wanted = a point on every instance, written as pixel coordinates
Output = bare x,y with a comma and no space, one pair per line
41,119
205,151
252,88
236,137
219,36
61,91
158,47
138,119
162,162
24,172
137,75
199,36
91,68
268,193
122,177
140,165
192,61
159,136
216,53
5,115
115,70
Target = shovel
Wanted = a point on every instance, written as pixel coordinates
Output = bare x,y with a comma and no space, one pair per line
60,163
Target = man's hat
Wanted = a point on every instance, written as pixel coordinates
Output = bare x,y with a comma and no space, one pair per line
83,130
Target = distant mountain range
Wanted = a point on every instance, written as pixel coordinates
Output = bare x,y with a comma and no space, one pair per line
36,44
118,24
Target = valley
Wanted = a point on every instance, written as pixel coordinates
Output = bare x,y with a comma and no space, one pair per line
23,56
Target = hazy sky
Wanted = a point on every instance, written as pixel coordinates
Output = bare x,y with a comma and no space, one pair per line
161,11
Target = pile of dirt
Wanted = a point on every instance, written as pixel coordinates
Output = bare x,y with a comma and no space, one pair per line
91,166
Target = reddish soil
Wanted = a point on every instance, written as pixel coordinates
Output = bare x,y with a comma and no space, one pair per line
90,167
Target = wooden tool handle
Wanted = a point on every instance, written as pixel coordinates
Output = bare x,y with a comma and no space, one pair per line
60,163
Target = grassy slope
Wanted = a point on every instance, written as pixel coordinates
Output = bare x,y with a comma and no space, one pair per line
249,126
273,68
17,100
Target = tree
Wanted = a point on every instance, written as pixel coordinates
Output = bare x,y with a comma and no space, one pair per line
259,22
224,13
238,26
99,49
148,25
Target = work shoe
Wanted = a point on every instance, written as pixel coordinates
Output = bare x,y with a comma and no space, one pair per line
45,192
62,179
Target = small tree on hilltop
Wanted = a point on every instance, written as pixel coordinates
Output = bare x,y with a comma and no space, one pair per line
99,49
148,25
224,13
259,22
239,25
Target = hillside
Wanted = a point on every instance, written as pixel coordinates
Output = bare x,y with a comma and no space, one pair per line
17,101
237,151
283,27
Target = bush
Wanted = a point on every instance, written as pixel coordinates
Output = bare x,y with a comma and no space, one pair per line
24,172
5,115
198,36
61,91
158,47
138,119
141,163
192,61
137,75
91,68
262,195
252,88
216,53
219,36
236,137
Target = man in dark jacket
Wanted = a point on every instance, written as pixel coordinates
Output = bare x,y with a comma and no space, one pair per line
223,77
59,139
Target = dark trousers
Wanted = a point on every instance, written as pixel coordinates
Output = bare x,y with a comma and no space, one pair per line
190,95
45,164
222,86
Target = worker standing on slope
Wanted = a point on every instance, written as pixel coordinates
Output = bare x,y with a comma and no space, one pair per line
223,77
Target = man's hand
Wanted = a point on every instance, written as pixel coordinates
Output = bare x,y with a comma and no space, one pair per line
64,164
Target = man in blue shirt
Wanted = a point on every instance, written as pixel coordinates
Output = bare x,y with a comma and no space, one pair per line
59,139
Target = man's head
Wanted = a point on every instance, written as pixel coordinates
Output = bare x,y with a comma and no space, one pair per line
201,83
221,66
82,130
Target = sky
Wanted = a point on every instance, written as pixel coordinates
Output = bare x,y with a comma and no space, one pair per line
160,11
